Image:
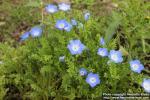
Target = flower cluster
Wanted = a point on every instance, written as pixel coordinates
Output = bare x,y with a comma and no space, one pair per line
114,55
34,32
51,8
92,79
76,47
61,24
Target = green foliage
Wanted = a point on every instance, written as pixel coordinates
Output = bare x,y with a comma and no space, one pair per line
34,67
135,26
87,2
16,18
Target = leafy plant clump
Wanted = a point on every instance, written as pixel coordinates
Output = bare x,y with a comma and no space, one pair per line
73,54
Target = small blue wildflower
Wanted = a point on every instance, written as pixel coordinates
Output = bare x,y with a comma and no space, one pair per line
51,8
102,41
87,16
136,66
115,56
68,27
61,24
64,6
74,22
146,85
83,72
93,79
62,58
36,31
24,36
75,47
102,52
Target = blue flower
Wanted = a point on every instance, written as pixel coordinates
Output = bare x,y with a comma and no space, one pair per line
87,16
115,56
63,25
51,8
102,52
75,47
136,66
93,79
83,72
146,85
102,41
74,22
36,31
24,36
64,6
68,27
62,58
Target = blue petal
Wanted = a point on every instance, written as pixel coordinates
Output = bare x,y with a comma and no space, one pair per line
24,36
72,43
61,22
86,16
36,31
138,63
64,6
102,52
102,41
51,8
68,27
74,22
91,75
118,55
83,72
147,81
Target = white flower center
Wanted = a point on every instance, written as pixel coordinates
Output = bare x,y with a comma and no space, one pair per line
101,53
51,10
146,85
81,72
114,57
135,66
36,33
64,7
61,25
75,48
92,80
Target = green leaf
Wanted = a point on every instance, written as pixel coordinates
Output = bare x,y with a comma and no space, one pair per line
113,25
124,51
113,72
34,3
